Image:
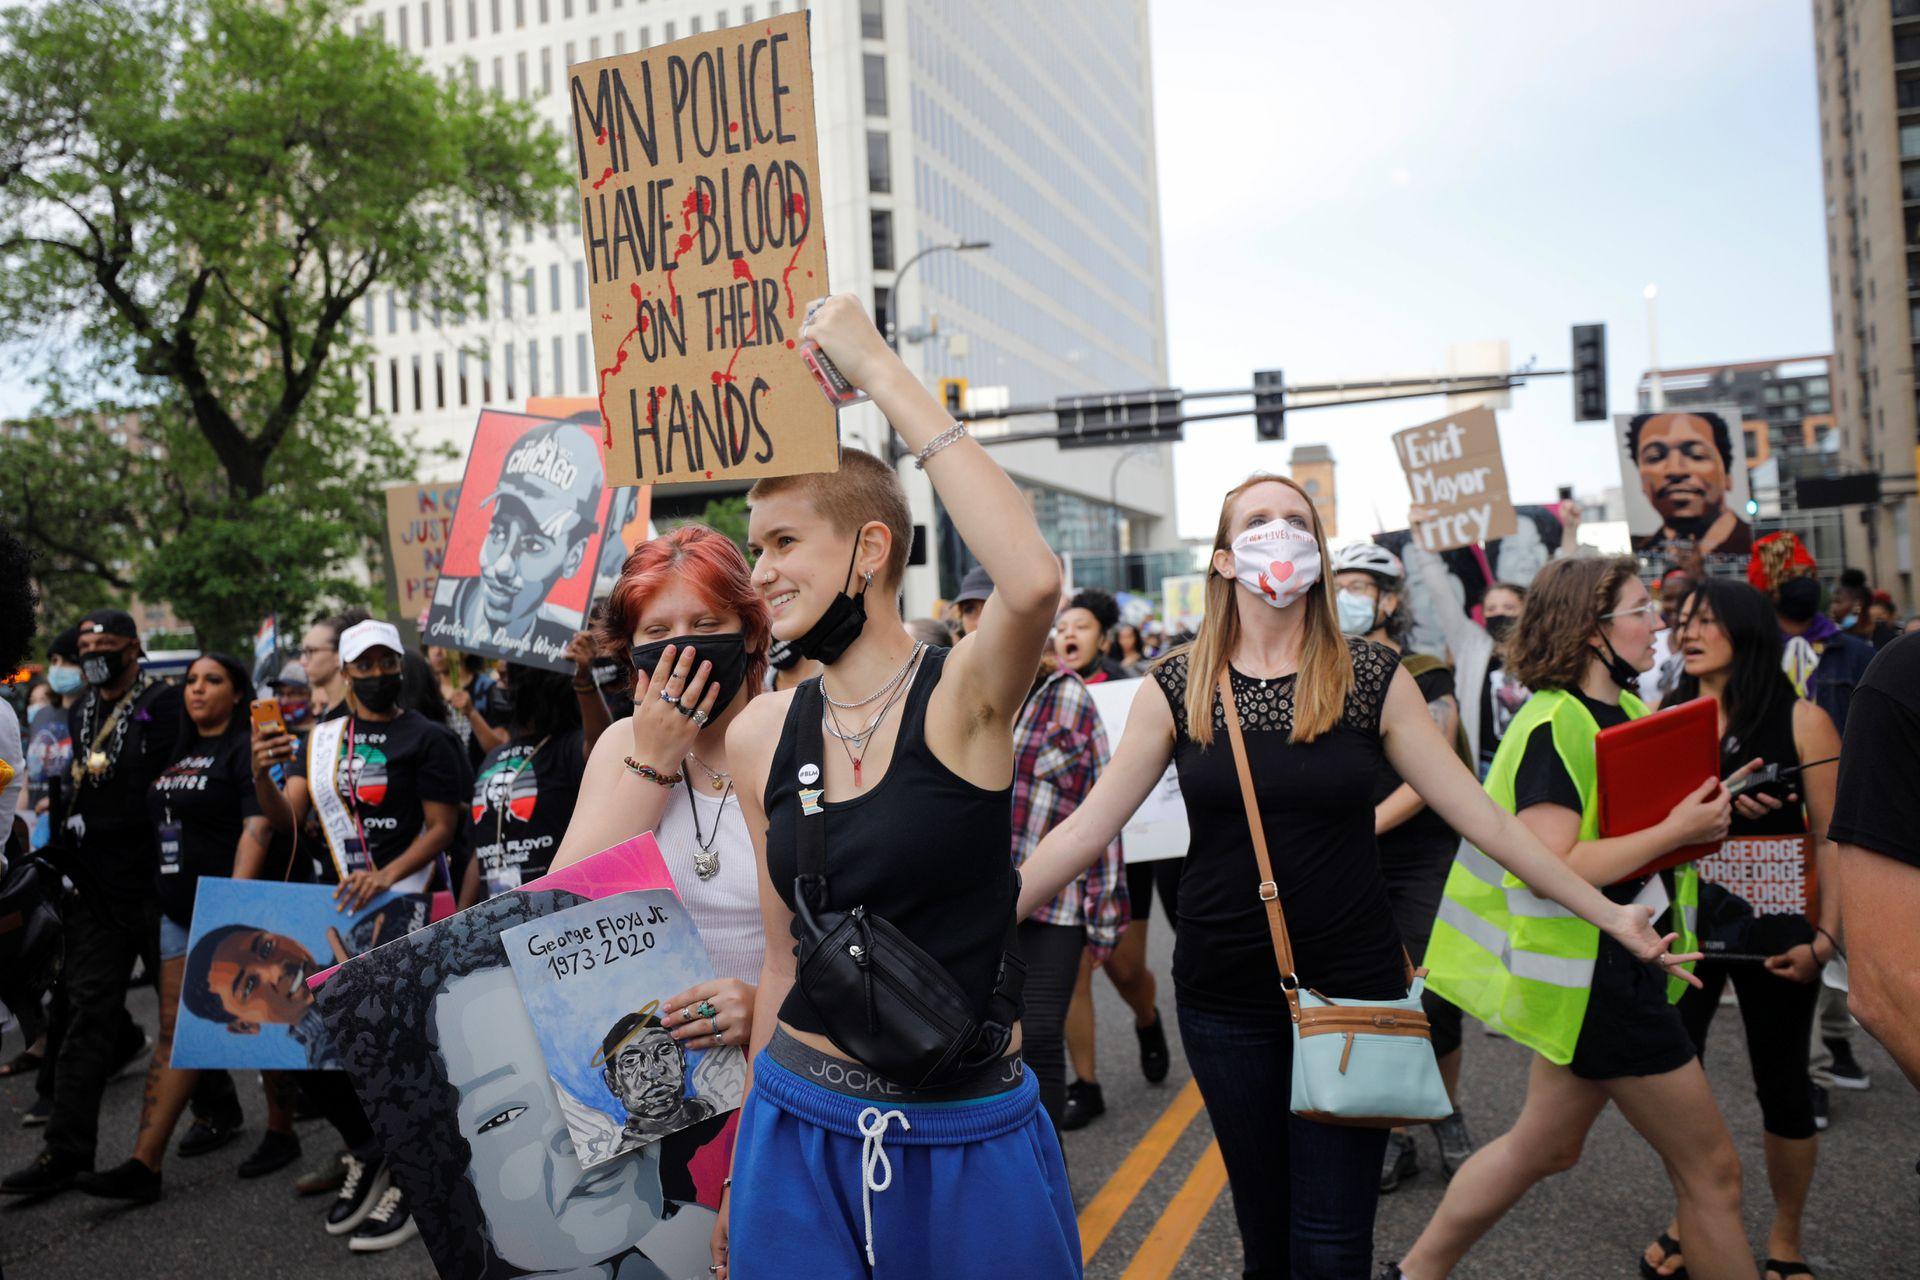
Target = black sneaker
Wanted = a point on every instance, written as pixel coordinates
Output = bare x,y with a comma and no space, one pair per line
1820,1120
360,1190
129,1181
275,1152
38,1114
47,1174
387,1227
1153,1049
1456,1144
1846,1070
1402,1162
1084,1106
207,1136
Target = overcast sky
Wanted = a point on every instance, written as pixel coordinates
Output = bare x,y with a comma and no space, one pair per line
1345,189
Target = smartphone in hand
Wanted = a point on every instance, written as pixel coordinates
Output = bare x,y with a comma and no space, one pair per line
267,717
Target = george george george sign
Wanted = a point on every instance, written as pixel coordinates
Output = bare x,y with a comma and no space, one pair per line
419,521
700,210
1458,480
1772,873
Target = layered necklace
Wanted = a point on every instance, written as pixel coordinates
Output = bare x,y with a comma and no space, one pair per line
854,741
721,781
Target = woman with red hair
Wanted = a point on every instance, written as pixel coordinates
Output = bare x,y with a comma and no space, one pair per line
686,612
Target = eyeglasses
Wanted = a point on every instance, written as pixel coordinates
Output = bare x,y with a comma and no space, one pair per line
1649,610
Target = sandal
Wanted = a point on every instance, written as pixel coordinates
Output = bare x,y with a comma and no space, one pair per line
1668,1247
1787,1270
21,1063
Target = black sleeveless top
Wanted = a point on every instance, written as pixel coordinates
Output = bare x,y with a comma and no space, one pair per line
1316,804
1774,744
924,849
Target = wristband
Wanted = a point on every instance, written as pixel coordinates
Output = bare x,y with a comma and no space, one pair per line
585,688
939,442
652,774
1819,932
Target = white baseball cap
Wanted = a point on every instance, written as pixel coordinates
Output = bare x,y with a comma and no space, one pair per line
371,634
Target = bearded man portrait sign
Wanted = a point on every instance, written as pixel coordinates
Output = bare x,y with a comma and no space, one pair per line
1684,478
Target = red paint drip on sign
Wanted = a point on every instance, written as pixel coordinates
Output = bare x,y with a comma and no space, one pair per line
798,205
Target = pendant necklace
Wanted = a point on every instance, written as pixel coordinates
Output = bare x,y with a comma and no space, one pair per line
706,853
855,743
720,780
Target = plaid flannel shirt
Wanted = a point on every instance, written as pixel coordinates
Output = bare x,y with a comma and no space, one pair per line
1059,750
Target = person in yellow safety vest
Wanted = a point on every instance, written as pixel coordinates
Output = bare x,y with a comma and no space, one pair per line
1601,1023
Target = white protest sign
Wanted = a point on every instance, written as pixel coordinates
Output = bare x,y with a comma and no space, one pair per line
1158,828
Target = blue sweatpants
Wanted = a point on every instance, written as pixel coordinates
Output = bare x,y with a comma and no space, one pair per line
951,1190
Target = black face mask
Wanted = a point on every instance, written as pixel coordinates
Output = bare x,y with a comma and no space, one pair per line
1501,627
101,669
608,675
726,650
840,625
1619,670
782,656
378,694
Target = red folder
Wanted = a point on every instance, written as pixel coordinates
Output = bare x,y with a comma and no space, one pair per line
1647,766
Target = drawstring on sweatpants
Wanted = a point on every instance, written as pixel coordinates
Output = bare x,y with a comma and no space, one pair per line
873,1131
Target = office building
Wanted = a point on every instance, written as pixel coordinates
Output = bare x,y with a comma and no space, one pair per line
1867,55
941,122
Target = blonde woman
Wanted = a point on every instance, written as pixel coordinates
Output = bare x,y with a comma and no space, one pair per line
1320,712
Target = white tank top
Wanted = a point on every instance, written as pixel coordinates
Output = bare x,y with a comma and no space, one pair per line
726,909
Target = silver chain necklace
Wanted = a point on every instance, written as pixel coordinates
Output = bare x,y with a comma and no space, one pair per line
855,744
720,779
877,694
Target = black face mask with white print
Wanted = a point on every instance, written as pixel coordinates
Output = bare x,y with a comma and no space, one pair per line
102,669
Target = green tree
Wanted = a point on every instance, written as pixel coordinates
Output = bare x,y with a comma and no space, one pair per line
194,197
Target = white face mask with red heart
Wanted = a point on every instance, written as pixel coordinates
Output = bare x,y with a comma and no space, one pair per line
1276,562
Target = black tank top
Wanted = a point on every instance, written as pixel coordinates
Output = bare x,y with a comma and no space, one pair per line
924,849
1774,744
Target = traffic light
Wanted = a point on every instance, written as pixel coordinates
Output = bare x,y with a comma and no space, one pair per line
1589,373
1269,407
1127,417
953,394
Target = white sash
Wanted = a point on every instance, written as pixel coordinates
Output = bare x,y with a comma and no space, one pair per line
324,750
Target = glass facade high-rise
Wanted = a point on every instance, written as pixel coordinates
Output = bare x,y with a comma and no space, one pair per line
1028,128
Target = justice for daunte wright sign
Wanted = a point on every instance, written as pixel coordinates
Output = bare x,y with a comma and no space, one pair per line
699,205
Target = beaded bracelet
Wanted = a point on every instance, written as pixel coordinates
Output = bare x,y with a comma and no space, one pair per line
652,774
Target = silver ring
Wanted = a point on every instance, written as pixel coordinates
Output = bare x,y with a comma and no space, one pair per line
701,717
719,1036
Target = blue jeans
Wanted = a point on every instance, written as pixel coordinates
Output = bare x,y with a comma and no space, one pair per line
1304,1193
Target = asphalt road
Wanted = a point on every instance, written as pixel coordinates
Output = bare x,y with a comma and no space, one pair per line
1863,1217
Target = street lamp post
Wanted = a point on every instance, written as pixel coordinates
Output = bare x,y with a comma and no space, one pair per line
1113,498
893,324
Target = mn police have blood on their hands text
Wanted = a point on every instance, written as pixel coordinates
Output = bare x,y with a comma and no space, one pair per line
696,167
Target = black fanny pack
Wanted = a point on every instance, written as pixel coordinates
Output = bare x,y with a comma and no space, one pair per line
881,999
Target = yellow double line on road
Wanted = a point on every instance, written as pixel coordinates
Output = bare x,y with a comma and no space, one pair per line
1161,1251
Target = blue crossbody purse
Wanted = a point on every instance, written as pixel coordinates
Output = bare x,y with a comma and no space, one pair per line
1357,1062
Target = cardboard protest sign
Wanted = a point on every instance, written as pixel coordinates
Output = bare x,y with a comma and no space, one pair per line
1773,873
1683,473
1158,828
437,1041
700,208
1457,479
419,522
594,979
525,539
244,1000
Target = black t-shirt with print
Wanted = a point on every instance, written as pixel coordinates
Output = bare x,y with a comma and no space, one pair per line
1425,836
523,800
400,763
207,794
1876,805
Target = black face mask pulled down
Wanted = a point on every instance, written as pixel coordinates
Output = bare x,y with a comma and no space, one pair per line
726,650
102,669
839,625
1619,670
378,694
